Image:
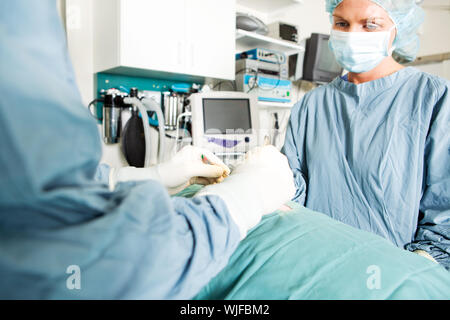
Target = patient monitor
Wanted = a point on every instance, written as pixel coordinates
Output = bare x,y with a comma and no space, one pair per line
227,123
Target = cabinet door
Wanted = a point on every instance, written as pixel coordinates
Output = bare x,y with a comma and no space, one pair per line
210,26
152,35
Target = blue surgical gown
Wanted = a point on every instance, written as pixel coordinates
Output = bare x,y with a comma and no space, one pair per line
376,156
56,211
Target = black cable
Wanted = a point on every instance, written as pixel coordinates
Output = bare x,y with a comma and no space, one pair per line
255,76
255,83
277,126
279,76
233,82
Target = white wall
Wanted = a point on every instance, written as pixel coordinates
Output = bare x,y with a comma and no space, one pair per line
79,26
435,37
309,17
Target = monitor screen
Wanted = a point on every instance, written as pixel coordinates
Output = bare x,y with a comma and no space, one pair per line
226,114
326,61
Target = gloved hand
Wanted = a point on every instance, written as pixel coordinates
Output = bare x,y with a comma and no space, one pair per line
258,186
190,165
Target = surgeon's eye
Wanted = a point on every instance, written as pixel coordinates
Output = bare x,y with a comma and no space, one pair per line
341,24
372,27
374,24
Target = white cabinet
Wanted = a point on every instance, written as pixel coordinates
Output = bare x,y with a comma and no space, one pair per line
211,27
170,38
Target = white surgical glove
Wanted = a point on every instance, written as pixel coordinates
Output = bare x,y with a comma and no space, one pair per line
188,166
258,186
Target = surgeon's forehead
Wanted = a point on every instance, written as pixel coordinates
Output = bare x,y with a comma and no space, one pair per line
357,10
364,18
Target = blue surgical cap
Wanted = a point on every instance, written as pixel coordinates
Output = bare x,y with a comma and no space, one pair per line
407,16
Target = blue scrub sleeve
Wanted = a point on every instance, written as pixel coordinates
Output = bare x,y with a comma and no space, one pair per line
63,233
145,245
293,150
433,233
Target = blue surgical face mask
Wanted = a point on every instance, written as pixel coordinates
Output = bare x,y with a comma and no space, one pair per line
360,52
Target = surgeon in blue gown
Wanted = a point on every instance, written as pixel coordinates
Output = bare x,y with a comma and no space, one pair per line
66,231
372,148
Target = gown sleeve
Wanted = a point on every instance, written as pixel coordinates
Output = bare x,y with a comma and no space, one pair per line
293,150
433,232
63,233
